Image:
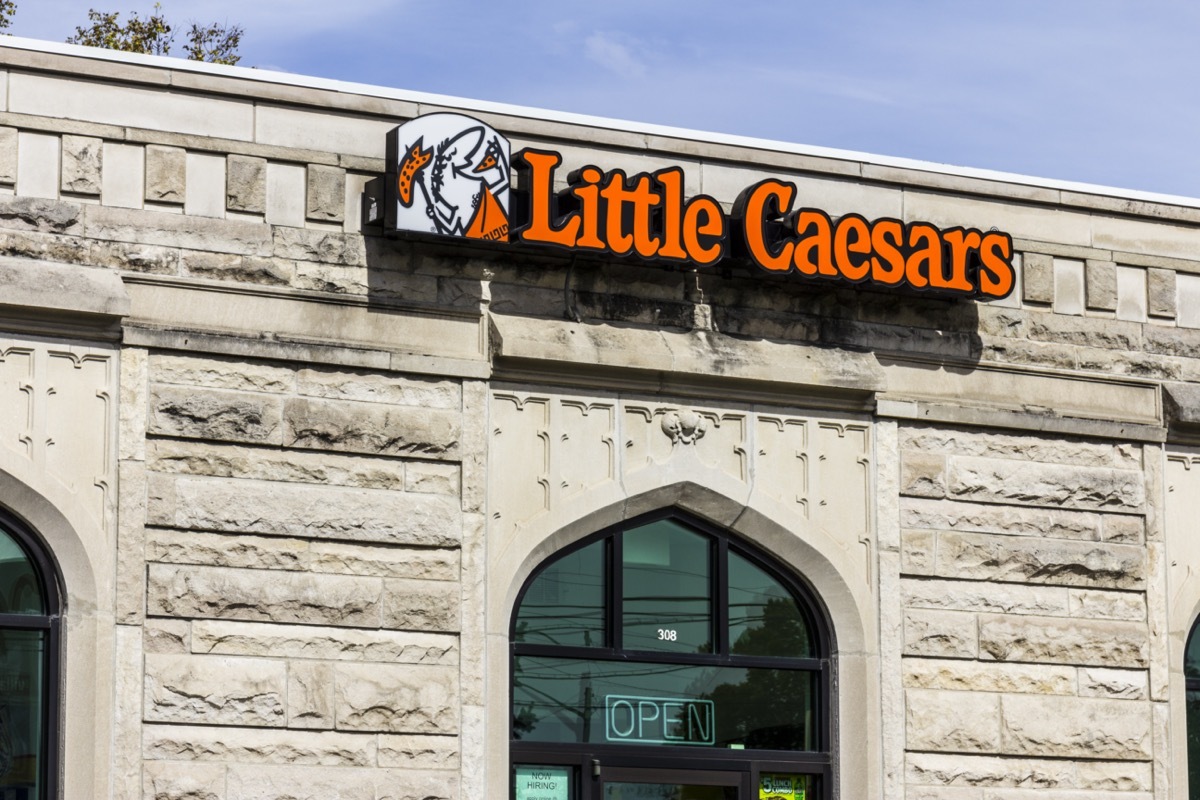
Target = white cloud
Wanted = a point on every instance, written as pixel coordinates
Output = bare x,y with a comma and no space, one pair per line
609,52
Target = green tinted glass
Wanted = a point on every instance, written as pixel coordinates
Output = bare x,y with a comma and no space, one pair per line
1191,659
764,619
667,594
20,589
666,791
22,667
627,702
565,603
1193,744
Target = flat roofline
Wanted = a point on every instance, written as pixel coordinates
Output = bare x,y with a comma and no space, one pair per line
587,120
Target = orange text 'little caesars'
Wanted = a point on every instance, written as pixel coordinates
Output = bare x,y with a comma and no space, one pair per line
647,216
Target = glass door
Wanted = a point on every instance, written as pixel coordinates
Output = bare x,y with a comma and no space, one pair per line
623,783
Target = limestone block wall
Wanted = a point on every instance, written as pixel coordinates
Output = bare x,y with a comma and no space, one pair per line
291,587
1032,607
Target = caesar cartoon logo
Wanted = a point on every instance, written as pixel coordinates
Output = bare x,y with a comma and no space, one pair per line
449,175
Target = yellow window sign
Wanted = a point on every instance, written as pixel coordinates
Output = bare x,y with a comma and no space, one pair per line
783,787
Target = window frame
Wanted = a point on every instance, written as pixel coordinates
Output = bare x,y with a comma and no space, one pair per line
50,622
588,756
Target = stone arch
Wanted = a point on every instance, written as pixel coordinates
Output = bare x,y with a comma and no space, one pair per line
82,555
839,577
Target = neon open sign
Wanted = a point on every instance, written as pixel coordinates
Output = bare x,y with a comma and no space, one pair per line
659,720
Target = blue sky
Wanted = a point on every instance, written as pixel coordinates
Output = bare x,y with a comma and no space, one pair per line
1098,91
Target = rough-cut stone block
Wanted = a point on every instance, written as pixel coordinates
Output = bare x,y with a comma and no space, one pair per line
1096,604
393,698
421,605
166,636
82,159
1010,520
257,746
220,373
1125,684
334,279
166,174
1124,529
975,771
40,214
974,676
1114,776
941,793
397,390
231,461
1005,481
949,634
326,248
257,552
326,193
1037,279
1021,447
1160,290
981,596
214,690
310,695
346,644
922,474
1101,281
301,783
917,552
232,267
306,511
433,478
134,257
403,784
183,780
8,155
217,592
418,752
177,230
1074,727
372,428
952,721
246,184
981,556
215,414
1102,643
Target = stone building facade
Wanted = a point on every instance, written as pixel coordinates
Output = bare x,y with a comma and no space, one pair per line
290,475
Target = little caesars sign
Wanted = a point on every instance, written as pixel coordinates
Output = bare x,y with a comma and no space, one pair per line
448,174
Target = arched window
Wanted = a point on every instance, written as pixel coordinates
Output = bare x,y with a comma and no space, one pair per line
29,631
666,660
1191,672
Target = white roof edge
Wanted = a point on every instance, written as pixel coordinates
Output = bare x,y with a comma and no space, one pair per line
486,106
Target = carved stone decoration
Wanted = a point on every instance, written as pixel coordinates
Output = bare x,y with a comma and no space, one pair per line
555,456
57,411
683,427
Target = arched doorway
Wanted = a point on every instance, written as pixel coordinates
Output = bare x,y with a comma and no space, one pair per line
664,659
29,646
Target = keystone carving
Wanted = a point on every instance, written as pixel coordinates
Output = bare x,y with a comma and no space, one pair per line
684,427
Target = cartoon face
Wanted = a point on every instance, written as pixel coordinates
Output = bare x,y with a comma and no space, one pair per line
452,177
